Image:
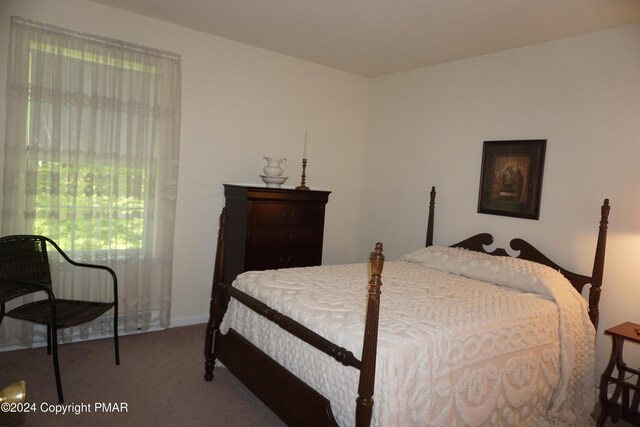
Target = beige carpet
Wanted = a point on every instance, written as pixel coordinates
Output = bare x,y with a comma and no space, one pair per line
158,383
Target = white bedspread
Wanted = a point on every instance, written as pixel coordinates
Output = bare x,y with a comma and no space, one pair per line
500,342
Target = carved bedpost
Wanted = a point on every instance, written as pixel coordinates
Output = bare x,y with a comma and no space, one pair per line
598,265
432,199
215,309
364,402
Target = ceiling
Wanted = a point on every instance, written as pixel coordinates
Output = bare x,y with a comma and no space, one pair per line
377,37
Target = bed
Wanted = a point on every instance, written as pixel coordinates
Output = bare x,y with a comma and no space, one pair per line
460,336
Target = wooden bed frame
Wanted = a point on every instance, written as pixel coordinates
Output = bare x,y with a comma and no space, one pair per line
295,402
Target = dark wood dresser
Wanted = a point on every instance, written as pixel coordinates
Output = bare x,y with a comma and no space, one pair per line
269,228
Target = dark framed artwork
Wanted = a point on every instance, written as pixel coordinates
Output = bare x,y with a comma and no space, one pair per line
511,178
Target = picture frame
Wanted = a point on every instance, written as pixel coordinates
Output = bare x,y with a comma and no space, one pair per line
511,178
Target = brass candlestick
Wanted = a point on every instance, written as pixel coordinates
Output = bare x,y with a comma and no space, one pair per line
304,168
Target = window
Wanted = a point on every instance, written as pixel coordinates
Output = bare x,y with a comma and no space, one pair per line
88,205
86,216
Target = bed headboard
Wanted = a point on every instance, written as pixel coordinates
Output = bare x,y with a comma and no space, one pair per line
529,252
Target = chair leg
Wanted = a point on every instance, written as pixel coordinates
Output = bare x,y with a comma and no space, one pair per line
115,336
48,339
56,367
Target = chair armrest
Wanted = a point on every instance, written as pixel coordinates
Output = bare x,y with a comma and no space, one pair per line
87,265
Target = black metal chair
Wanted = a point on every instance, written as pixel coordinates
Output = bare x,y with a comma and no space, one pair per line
25,269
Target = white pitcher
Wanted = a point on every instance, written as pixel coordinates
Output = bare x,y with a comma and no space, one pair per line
274,167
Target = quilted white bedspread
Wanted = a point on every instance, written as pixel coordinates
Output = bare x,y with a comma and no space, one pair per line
465,339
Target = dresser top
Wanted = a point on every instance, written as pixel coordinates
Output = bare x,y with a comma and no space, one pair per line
262,192
264,187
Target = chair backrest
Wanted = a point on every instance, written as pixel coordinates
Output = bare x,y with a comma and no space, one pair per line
24,258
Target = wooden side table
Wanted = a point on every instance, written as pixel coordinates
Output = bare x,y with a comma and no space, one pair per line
623,403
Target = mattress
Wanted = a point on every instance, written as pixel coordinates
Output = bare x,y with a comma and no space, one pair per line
464,338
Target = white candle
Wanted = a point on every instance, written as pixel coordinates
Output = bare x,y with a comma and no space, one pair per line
304,153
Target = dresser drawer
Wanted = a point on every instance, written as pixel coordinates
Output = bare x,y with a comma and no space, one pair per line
285,237
265,213
266,259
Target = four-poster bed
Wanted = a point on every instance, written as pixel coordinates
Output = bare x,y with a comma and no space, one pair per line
495,353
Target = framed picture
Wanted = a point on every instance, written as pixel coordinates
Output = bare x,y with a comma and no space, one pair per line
511,178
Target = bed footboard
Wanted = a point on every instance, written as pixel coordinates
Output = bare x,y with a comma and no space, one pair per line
295,402
364,407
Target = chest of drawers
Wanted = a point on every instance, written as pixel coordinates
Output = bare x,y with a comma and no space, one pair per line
269,228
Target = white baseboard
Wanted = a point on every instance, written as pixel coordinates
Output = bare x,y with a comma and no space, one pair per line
40,339
187,321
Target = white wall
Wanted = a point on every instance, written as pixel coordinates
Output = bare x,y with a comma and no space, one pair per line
239,103
582,94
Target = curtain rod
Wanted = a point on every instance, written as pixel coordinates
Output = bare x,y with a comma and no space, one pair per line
92,37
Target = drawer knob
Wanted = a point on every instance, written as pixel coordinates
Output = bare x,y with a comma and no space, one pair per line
286,259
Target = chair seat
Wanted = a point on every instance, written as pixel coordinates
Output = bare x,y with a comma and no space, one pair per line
68,312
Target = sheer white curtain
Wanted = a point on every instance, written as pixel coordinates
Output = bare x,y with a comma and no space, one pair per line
91,154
